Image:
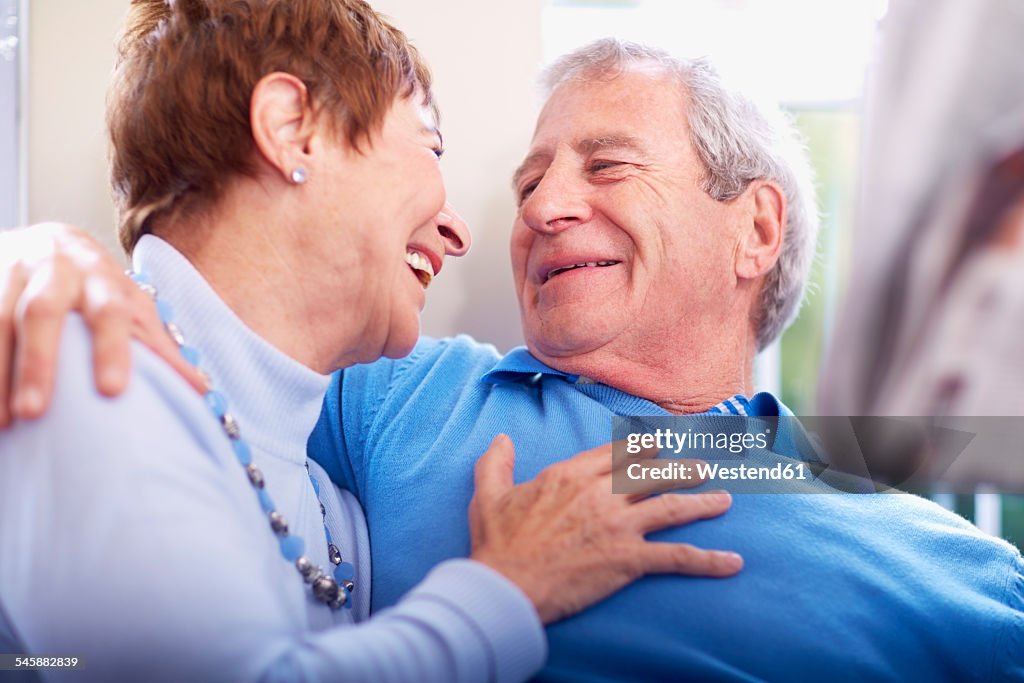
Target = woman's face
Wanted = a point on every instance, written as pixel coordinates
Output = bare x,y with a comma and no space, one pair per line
394,225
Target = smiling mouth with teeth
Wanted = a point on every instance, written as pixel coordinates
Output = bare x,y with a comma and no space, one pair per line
421,267
589,264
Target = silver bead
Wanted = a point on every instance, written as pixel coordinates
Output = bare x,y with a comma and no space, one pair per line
230,426
348,585
339,601
175,333
334,553
325,589
309,571
278,523
255,476
147,289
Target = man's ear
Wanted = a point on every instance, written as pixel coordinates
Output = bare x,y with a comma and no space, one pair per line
282,122
760,241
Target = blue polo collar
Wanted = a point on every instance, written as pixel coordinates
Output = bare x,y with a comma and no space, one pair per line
518,365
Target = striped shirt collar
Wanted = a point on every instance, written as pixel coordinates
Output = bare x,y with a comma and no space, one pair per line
737,405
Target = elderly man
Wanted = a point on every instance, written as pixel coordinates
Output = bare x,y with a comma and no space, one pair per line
663,237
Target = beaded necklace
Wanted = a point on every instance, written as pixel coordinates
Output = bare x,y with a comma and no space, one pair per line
331,589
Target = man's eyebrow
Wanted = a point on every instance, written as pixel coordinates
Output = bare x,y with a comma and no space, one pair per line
588,146
585,147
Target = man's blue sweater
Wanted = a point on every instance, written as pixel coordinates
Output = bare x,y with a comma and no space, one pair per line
837,587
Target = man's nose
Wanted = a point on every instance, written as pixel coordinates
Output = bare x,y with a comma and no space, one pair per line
558,202
454,231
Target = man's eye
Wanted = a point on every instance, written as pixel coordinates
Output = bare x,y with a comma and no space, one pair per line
603,165
526,191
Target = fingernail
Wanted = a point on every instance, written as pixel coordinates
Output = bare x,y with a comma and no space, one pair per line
734,560
28,402
720,496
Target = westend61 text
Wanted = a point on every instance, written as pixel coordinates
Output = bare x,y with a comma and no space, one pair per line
712,471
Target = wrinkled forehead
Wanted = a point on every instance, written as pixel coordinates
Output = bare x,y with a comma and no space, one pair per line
644,110
638,117
636,102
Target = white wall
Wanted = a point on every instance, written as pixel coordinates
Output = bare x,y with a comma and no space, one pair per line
484,54
71,53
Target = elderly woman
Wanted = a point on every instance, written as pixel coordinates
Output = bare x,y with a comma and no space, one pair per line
275,164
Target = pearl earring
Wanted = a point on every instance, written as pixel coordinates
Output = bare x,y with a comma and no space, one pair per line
299,175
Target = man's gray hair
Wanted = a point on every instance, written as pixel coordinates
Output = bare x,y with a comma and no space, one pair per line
738,143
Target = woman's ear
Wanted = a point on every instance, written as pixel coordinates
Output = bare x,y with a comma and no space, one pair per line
760,240
282,123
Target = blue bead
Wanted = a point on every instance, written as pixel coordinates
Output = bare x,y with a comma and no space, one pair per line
328,532
344,572
165,311
190,354
316,486
218,404
242,452
141,278
292,547
348,603
266,502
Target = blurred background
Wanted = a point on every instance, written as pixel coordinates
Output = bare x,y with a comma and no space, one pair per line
809,56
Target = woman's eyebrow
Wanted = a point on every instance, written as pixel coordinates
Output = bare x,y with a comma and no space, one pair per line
435,131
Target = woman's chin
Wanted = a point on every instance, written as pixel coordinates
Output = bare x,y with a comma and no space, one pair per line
401,342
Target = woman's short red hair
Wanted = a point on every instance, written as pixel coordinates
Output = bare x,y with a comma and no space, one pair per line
178,110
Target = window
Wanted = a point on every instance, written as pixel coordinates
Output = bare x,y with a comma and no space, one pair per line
11,84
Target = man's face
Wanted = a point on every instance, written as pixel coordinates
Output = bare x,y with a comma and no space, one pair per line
616,245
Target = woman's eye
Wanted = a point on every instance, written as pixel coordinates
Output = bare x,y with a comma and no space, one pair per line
438,152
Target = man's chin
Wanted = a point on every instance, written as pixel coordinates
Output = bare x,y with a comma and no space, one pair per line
559,348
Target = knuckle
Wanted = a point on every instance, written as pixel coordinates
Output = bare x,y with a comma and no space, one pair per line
552,476
713,503
638,562
674,506
693,504
111,309
40,307
687,556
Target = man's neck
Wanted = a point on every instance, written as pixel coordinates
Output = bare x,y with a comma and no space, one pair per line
691,379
